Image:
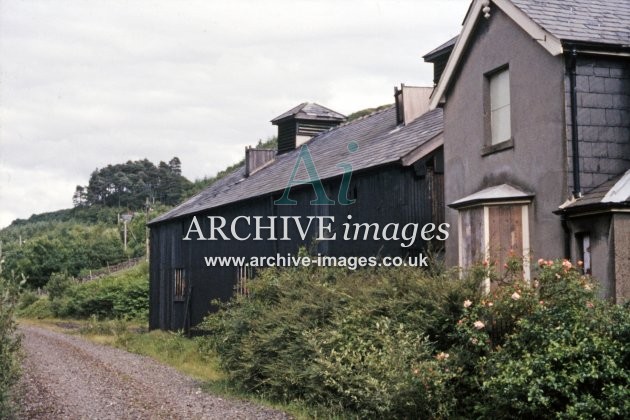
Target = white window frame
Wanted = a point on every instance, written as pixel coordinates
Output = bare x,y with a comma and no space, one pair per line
498,93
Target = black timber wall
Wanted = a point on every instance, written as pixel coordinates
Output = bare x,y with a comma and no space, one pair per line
391,194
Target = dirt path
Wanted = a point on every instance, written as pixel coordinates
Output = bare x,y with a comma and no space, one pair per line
66,377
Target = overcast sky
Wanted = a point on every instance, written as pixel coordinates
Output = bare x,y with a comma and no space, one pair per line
88,83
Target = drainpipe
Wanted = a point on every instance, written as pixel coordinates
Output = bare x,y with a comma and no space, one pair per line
577,189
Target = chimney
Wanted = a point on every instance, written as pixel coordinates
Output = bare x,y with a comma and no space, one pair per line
305,121
256,159
411,102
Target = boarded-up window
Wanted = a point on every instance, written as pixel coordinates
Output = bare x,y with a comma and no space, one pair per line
506,234
472,239
494,233
243,275
500,107
180,284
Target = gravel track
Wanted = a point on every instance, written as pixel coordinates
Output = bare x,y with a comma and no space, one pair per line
67,377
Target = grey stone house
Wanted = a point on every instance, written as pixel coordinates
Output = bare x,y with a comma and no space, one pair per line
536,102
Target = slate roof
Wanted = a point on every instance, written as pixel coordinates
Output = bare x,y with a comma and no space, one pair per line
612,193
379,139
310,111
590,21
438,50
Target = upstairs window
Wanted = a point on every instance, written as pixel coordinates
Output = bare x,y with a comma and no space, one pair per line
500,125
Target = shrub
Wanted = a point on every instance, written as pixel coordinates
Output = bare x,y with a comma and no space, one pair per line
362,342
569,356
121,295
58,284
552,350
398,343
9,342
40,309
27,298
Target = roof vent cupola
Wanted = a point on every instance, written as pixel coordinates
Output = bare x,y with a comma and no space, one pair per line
305,121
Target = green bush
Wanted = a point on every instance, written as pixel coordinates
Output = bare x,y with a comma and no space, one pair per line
362,342
121,295
63,247
551,350
569,356
398,343
9,342
58,284
40,309
27,298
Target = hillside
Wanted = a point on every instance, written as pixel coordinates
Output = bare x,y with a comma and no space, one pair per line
90,235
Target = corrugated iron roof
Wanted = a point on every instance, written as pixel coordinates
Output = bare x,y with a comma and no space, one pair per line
379,139
591,21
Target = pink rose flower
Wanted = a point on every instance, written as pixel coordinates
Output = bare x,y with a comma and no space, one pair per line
479,325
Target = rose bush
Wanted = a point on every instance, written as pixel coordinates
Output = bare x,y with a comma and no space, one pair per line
400,343
552,349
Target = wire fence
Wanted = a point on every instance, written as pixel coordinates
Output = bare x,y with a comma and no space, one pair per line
110,269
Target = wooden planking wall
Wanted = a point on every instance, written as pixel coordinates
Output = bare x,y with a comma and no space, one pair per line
472,248
506,234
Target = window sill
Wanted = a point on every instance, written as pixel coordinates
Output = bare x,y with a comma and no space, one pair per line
499,147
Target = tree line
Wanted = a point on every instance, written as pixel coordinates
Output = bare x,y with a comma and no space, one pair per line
134,183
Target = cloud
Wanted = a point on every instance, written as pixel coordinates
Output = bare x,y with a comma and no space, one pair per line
86,84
